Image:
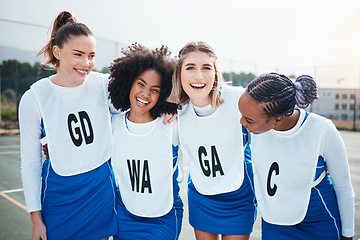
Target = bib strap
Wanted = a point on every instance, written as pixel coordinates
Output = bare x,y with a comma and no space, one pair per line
319,179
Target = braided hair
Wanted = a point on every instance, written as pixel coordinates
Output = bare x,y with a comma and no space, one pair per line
280,95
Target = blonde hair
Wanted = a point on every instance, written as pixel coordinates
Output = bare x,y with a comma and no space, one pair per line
178,95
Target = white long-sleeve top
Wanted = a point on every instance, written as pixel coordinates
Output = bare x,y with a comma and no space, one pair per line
31,130
334,153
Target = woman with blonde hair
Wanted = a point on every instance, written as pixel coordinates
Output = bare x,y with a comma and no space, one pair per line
220,194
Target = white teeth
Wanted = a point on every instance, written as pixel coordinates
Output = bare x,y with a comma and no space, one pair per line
82,71
198,85
142,101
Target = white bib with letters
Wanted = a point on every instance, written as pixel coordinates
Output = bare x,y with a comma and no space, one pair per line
284,170
143,164
77,124
214,145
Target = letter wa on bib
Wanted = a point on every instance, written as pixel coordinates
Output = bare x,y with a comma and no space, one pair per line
143,164
77,124
284,170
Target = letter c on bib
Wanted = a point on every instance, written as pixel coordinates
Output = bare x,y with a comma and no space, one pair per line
272,190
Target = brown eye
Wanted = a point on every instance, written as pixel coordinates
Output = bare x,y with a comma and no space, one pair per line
156,90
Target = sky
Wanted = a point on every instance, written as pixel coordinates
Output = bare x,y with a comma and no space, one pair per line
315,37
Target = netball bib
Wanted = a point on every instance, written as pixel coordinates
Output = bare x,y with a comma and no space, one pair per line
284,170
143,164
77,124
214,145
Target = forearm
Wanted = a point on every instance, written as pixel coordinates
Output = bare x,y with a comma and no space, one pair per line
31,179
36,218
337,163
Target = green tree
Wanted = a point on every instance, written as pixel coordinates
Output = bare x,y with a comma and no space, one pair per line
8,95
105,70
239,79
17,77
292,76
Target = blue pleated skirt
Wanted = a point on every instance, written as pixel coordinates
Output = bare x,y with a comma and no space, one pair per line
80,206
322,220
166,227
232,213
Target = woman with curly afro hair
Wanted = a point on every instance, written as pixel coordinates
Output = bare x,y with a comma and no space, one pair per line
136,60
145,151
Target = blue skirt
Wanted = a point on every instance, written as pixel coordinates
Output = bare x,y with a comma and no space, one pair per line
80,206
322,220
160,228
232,213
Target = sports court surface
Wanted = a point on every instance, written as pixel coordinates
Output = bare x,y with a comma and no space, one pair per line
15,221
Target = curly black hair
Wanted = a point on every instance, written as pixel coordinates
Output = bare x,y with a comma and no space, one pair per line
136,60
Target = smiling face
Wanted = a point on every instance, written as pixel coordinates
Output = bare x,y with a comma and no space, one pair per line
198,77
76,60
253,116
144,94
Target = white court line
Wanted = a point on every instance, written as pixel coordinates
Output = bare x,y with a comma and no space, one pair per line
9,152
9,146
13,190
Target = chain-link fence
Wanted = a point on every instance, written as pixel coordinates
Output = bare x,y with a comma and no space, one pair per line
19,68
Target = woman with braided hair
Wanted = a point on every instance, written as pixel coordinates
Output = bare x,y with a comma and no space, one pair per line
301,172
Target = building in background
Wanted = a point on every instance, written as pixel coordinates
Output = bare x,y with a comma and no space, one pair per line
338,104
